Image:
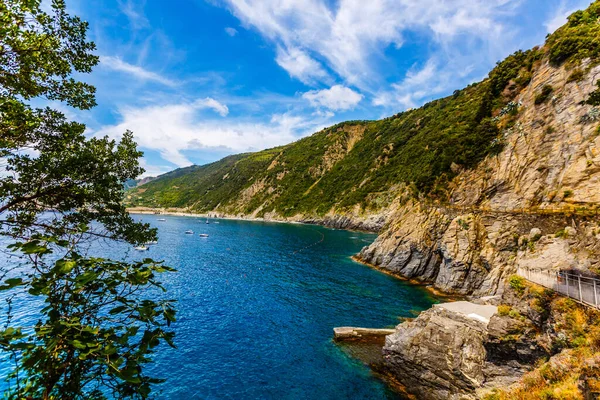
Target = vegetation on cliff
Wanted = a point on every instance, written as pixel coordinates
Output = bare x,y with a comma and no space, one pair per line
565,331
368,163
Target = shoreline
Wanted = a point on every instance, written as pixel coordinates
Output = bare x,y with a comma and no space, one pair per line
437,293
214,215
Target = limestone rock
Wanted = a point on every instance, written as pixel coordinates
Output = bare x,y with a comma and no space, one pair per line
441,354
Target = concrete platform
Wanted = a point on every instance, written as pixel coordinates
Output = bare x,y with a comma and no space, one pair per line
353,333
474,311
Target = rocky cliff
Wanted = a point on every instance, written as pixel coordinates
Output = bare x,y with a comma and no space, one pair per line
535,203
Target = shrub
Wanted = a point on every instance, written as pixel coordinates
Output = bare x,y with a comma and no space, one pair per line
503,310
578,39
594,99
517,283
561,234
544,94
576,76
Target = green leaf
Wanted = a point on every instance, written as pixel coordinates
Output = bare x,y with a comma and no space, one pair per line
78,344
12,283
117,310
65,266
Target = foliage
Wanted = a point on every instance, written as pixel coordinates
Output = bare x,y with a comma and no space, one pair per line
58,189
544,94
576,342
594,98
39,52
97,330
577,75
578,39
504,310
517,283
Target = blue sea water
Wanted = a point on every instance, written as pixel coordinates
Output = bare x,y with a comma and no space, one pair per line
257,303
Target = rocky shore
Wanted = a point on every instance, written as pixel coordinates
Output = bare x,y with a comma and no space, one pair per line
533,205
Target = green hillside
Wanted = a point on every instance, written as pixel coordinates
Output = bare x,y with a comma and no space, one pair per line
368,163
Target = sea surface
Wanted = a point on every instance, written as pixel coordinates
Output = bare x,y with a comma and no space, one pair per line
257,304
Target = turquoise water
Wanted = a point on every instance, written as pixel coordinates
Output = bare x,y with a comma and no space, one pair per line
257,303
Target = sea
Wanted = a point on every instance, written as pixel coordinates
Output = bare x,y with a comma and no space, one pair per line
257,303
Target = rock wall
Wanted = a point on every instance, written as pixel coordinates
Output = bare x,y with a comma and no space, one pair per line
545,182
440,355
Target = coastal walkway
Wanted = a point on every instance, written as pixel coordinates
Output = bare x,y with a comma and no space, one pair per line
582,289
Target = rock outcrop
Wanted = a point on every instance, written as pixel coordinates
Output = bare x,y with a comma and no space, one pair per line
441,354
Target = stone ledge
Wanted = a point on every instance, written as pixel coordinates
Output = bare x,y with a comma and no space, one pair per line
353,333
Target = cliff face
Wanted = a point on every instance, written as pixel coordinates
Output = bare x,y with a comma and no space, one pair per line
512,210
533,205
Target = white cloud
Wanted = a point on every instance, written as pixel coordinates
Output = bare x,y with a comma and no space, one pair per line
231,31
134,13
350,35
421,84
117,64
153,170
336,98
300,65
174,128
211,103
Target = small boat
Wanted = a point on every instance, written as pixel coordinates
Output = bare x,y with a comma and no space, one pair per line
189,232
203,235
161,220
207,222
142,248
149,243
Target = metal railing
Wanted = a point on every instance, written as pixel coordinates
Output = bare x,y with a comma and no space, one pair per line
583,289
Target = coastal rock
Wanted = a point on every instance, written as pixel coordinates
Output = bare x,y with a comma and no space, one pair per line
441,354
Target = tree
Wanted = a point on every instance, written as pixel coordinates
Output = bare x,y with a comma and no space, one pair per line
98,325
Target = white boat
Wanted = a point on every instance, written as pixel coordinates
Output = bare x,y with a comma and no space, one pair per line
189,232
161,219
207,221
149,243
142,248
203,235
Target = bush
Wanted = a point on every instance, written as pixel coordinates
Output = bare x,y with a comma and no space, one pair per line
504,310
578,39
576,76
544,94
594,98
517,283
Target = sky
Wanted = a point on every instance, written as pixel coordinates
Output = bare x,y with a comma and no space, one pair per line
197,80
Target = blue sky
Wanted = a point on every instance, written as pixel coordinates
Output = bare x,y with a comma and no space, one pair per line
196,80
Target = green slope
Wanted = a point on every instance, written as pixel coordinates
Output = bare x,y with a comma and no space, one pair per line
367,163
